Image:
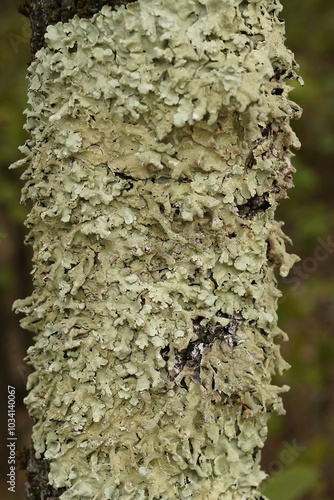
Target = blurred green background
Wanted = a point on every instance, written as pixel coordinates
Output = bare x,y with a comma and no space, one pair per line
299,453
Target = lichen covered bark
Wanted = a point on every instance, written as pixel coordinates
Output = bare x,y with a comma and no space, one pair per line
159,148
42,13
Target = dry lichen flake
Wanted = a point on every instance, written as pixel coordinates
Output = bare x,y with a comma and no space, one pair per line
159,148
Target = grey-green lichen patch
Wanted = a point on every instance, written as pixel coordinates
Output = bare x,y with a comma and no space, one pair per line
159,148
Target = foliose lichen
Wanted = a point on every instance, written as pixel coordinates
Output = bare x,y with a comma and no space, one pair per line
159,148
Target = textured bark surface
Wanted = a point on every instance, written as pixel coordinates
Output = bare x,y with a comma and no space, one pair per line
42,13
159,149
37,487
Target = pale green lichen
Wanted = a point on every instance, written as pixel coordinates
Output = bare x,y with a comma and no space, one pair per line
159,146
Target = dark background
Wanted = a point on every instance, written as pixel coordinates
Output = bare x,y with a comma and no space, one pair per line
299,452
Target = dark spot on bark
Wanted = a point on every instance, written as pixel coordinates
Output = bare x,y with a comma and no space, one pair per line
37,471
176,209
253,207
121,175
213,383
129,185
266,131
207,334
250,161
74,49
165,352
243,5
279,74
193,279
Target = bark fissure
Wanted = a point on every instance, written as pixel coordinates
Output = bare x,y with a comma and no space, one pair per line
191,357
253,206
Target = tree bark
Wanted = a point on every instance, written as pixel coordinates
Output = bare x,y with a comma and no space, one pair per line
43,13
159,149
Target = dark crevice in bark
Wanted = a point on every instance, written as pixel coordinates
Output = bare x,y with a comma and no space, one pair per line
37,470
207,334
280,74
131,180
266,131
253,207
250,161
121,175
42,13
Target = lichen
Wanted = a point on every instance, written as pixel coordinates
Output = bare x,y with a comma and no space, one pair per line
159,148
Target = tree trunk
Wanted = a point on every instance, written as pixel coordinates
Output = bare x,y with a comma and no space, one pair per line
42,13
158,151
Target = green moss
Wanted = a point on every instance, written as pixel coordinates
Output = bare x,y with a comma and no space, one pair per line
158,152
